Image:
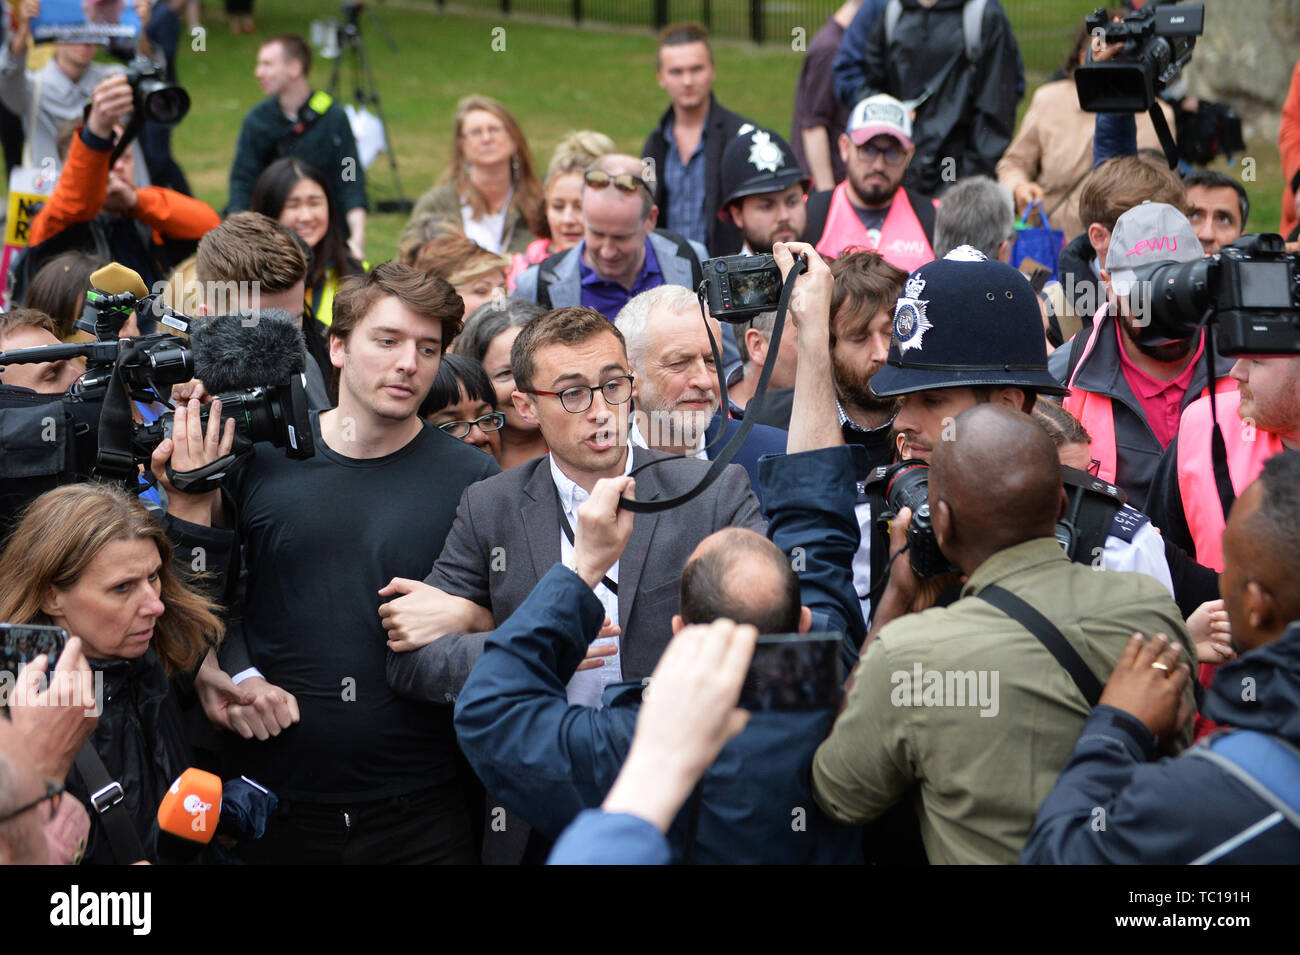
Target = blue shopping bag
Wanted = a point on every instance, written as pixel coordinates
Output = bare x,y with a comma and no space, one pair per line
1042,243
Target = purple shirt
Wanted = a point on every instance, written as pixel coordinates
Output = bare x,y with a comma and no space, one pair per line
608,297
814,98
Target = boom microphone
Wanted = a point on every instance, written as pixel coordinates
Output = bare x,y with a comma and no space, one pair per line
234,352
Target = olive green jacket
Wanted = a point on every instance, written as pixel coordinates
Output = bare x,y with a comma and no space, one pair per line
964,709
441,203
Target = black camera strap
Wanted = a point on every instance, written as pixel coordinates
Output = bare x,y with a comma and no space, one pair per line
1049,636
114,459
718,464
610,585
1218,447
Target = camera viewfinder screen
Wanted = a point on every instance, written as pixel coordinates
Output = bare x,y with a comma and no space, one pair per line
1265,284
756,288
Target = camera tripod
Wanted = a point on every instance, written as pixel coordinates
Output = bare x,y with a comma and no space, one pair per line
364,90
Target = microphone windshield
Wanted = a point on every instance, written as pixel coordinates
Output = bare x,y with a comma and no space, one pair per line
234,352
115,279
191,808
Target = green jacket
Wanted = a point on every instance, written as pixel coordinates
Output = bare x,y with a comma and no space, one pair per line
328,145
442,203
963,708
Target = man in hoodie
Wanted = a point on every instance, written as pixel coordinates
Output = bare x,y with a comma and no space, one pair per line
1112,804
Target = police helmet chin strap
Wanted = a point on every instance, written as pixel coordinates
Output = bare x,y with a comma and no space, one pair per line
724,457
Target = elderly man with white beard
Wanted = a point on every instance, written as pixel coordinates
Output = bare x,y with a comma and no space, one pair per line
676,382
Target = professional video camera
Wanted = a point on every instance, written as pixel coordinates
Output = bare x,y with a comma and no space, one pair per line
1158,42
1250,289
253,362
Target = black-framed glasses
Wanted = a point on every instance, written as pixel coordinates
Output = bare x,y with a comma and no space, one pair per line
492,421
1094,467
53,792
624,182
578,398
870,153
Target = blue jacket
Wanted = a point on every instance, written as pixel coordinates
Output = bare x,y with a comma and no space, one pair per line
547,761
1183,809
762,440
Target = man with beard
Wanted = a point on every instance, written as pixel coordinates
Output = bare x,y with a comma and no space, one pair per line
764,191
862,323
1129,389
871,208
676,382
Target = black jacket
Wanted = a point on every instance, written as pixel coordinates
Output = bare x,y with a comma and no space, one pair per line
722,124
142,743
970,113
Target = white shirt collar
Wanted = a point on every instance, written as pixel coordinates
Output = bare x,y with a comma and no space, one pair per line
635,437
571,493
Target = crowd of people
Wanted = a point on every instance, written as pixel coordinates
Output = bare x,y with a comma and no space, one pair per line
504,612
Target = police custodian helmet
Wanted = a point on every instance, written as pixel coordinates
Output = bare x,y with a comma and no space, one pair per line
757,161
966,320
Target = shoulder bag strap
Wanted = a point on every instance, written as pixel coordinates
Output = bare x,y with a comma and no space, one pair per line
107,801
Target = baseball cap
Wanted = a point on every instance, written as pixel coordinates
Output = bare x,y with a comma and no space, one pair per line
1145,235
880,114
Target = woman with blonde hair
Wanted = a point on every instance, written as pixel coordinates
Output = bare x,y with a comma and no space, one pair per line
477,275
491,190
562,228
90,559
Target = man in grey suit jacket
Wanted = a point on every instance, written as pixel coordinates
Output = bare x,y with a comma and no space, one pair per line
621,254
509,530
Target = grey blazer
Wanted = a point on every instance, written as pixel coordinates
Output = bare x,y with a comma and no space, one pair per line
506,536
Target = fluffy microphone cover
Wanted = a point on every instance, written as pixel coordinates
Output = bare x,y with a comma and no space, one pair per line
233,352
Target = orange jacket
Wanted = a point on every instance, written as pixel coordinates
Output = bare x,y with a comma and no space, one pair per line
83,184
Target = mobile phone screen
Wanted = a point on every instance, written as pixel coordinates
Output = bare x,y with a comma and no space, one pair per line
20,643
794,671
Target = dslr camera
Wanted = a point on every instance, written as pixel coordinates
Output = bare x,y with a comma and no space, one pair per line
1250,289
156,97
907,484
739,287
1158,41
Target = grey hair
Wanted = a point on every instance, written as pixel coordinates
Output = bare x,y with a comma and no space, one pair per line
976,212
763,322
634,318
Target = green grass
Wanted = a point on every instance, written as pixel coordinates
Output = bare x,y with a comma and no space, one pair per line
553,76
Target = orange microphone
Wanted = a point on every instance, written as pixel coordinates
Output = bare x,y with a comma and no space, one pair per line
191,808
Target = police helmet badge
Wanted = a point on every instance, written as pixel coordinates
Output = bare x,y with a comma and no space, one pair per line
910,323
765,155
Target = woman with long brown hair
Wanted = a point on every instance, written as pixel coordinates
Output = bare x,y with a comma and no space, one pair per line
491,189
90,559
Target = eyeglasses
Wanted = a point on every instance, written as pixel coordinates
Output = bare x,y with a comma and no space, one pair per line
53,792
624,182
870,153
578,399
492,421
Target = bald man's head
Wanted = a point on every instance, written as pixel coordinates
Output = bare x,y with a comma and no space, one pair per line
738,574
999,481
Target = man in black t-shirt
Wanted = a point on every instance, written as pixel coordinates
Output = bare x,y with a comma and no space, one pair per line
363,776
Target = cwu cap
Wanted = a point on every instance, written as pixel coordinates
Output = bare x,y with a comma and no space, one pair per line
880,114
966,320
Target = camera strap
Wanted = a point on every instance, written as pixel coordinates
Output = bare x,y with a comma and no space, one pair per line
610,585
718,464
1218,447
114,459
1049,636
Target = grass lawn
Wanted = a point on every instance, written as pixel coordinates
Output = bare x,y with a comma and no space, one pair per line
554,77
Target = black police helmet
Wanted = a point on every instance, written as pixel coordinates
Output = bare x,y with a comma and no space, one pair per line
966,320
757,161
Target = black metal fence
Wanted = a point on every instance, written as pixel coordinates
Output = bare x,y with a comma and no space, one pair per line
1043,27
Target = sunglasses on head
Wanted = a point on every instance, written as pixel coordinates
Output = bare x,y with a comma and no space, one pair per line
624,182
